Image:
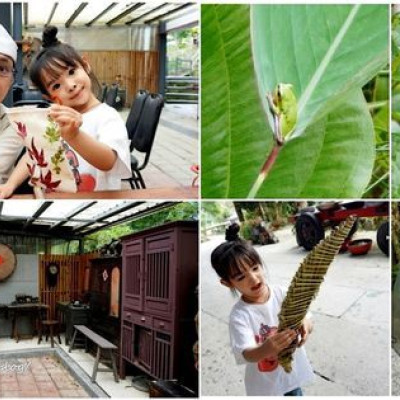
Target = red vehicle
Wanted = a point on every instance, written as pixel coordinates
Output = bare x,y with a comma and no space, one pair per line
310,222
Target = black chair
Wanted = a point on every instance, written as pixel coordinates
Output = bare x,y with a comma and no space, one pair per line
111,96
143,137
134,114
103,94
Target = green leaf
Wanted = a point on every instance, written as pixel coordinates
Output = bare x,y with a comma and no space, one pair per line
328,52
235,135
337,163
395,160
323,50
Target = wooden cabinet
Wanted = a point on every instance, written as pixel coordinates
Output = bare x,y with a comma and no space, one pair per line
105,297
159,278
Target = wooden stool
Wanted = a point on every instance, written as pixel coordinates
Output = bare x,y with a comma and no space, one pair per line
48,325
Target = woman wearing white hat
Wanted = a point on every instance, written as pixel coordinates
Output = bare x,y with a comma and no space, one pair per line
10,144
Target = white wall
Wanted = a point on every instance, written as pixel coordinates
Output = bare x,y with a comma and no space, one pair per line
25,279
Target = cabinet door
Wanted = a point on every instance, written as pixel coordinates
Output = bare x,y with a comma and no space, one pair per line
159,273
133,282
143,347
127,341
162,366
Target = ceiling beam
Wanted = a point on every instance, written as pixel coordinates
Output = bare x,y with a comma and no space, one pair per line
110,7
124,14
75,14
53,10
72,214
128,218
149,21
108,214
146,14
37,214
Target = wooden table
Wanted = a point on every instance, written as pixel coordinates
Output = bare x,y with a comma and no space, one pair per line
173,193
33,310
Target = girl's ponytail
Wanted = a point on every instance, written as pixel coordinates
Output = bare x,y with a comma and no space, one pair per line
49,37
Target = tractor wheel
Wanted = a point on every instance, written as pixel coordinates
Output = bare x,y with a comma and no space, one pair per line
309,231
382,237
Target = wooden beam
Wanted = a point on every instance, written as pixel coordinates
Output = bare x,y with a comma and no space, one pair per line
73,213
110,7
149,21
37,214
53,10
75,14
146,14
108,214
124,13
138,215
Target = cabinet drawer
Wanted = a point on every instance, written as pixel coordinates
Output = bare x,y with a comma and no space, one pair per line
162,325
141,319
127,314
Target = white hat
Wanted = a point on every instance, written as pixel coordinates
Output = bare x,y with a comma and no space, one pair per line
7,44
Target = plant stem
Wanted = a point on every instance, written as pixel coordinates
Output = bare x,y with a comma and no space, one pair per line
269,162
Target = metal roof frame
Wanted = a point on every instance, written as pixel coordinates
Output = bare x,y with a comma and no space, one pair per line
55,227
146,14
173,11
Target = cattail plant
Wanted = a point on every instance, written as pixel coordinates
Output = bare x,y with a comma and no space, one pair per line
306,283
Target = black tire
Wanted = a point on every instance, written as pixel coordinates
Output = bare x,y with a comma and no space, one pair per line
309,231
382,237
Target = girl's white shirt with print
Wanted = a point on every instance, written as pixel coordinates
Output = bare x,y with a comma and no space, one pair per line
104,124
246,322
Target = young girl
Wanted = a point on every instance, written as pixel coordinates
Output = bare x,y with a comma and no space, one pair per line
92,129
253,324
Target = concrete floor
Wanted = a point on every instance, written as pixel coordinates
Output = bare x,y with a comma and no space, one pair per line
350,345
175,147
85,360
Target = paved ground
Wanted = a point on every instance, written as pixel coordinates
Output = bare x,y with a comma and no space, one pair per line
395,373
175,147
105,380
349,348
38,377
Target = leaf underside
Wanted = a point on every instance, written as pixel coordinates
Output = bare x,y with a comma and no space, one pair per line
324,51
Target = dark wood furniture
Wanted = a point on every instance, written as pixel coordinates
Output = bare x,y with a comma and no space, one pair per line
72,315
49,327
105,311
102,344
159,277
32,310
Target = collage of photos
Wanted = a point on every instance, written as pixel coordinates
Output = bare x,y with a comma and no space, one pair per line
199,199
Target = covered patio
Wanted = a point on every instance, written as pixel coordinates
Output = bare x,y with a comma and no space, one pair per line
71,264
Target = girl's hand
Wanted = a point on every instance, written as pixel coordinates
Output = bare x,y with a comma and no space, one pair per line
277,342
6,191
67,119
305,330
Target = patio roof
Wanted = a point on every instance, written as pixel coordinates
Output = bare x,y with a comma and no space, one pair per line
102,12
70,219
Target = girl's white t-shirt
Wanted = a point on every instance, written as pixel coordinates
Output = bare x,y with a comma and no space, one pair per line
247,325
104,124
